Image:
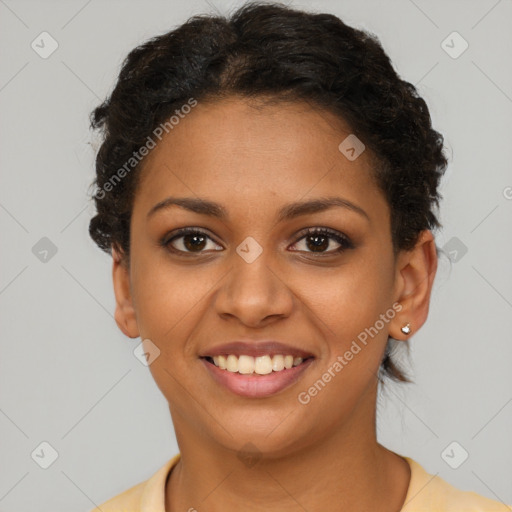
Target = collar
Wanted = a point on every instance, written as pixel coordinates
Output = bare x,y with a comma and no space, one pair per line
153,496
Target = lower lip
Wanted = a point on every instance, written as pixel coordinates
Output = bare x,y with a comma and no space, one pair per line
257,386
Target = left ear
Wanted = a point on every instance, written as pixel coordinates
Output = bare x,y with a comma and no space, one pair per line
415,272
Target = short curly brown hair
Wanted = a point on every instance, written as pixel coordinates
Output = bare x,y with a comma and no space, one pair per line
274,51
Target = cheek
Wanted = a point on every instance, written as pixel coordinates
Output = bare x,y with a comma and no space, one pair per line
351,298
348,315
346,299
353,309
167,298
169,306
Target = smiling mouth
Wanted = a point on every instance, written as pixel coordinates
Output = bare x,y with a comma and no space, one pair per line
262,365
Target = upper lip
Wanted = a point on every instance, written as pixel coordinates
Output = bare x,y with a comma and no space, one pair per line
255,349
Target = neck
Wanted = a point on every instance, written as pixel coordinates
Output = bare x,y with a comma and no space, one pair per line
347,470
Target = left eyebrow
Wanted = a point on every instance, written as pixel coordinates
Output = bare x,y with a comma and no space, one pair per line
287,212
292,210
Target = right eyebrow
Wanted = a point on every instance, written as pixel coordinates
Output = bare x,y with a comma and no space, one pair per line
201,206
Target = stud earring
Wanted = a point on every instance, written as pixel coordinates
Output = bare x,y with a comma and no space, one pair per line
406,329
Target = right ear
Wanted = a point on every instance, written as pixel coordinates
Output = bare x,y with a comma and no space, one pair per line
125,312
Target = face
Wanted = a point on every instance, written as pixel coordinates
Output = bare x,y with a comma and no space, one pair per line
316,279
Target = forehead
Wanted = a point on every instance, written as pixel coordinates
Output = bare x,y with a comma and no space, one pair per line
256,154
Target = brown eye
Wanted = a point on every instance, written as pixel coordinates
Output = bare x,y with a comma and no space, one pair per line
318,240
188,240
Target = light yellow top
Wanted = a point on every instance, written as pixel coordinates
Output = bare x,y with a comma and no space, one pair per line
426,493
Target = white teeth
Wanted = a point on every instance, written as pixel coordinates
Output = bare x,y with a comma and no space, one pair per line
278,363
232,363
246,364
262,365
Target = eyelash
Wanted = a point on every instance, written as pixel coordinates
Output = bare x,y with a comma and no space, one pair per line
343,240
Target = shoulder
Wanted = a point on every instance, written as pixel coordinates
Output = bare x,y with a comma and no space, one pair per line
428,493
148,495
127,501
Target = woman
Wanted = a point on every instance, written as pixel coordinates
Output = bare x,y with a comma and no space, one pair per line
267,188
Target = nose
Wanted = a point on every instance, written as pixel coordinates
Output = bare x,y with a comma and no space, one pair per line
254,293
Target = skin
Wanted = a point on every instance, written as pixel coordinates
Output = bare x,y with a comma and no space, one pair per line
319,456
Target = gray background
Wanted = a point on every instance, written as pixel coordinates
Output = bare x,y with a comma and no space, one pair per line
68,376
